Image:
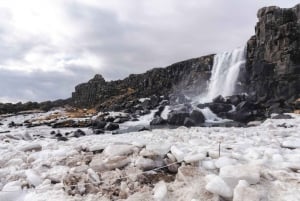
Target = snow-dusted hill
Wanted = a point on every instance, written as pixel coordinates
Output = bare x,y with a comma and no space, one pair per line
255,163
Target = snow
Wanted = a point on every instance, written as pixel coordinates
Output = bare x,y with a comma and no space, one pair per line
257,163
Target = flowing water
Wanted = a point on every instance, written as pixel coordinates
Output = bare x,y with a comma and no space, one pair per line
225,72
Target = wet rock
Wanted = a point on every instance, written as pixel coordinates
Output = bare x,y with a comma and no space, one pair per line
219,107
111,126
188,122
79,133
219,99
98,124
282,116
98,131
144,129
158,121
62,138
177,117
197,117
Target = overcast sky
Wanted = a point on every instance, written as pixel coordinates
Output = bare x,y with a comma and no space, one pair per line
49,46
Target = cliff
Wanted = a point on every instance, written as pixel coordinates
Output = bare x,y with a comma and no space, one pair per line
188,76
273,56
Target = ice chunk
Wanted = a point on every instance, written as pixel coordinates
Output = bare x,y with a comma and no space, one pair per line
196,157
98,164
93,176
11,191
14,162
209,165
33,177
118,150
293,144
233,173
31,147
224,161
243,192
179,155
159,148
160,191
217,185
147,163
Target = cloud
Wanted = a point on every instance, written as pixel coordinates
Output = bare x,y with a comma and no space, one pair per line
47,47
41,85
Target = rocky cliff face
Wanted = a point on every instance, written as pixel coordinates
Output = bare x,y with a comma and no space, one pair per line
273,56
188,76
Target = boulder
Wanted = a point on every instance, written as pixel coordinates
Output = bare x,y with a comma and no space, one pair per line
219,107
188,122
98,131
111,126
177,117
158,121
219,99
197,117
79,133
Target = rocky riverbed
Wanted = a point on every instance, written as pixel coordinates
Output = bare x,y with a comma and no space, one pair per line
199,163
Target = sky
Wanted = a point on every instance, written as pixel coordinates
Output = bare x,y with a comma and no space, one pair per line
47,47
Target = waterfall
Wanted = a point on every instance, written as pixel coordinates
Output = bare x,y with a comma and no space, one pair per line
225,72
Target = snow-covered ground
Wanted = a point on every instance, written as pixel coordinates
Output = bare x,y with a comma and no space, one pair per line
255,163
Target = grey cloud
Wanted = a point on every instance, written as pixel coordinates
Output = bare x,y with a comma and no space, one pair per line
41,85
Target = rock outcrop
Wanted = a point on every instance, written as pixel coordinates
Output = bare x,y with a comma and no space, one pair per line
273,57
188,76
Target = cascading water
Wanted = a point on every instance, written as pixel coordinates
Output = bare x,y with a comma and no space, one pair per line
225,72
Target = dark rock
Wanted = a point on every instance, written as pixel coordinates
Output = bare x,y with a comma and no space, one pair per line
188,122
79,133
284,125
236,99
177,117
98,131
134,119
219,99
110,118
111,126
61,138
189,76
273,56
11,124
202,105
52,132
197,116
219,107
282,116
158,121
98,124
160,110
58,135
144,129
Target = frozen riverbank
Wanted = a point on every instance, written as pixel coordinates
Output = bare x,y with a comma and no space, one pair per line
255,163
